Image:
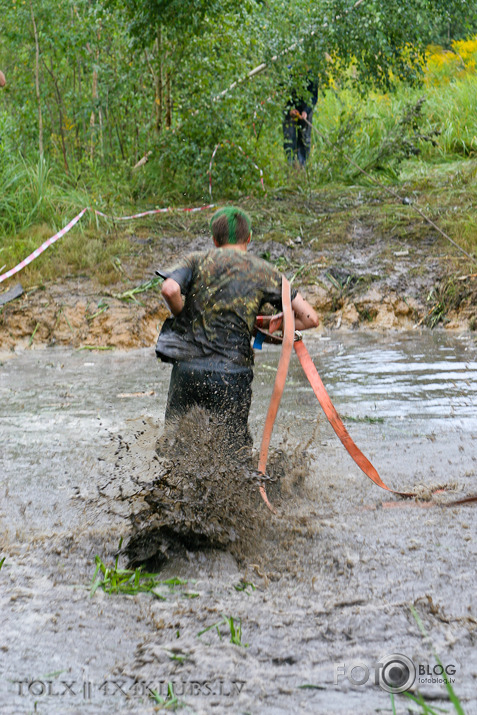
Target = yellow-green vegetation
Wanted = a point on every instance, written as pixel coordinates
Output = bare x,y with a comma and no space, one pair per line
114,580
422,141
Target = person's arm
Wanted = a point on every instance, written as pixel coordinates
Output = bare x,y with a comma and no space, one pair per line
305,315
171,292
176,282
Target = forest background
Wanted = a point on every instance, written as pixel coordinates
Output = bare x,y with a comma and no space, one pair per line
94,87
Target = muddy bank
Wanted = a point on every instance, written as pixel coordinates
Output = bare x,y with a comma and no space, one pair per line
329,582
81,315
357,273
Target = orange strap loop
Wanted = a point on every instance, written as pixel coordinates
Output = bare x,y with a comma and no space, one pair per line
280,379
318,388
288,342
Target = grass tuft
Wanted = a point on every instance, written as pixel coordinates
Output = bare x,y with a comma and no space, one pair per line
114,580
170,702
235,629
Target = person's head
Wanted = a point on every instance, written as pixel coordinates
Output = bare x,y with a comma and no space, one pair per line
230,226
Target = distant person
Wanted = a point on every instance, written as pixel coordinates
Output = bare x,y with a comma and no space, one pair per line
298,117
3,81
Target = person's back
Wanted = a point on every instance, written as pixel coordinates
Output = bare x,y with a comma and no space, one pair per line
208,339
224,292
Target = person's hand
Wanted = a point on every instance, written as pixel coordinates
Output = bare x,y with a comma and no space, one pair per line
269,322
304,116
2,79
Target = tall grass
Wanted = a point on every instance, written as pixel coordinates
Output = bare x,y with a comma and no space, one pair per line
37,199
383,133
377,132
33,191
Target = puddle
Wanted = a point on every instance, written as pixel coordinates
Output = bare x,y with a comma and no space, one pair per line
333,574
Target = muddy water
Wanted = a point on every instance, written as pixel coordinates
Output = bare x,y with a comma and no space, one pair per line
333,574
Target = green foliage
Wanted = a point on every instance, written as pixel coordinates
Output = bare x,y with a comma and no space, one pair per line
446,296
243,586
121,78
377,136
182,17
450,690
384,40
170,702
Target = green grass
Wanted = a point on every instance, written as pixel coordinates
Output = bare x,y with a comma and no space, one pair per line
114,580
234,626
417,698
244,586
379,133
450,690
170,702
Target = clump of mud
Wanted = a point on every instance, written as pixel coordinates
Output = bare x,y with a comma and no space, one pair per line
434,492
204,494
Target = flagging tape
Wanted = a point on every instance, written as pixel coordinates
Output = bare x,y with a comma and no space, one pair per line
38,251
152,212
236,146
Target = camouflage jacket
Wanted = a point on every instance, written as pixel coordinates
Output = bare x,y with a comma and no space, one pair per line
224,291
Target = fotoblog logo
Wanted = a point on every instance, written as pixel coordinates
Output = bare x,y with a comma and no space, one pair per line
394,673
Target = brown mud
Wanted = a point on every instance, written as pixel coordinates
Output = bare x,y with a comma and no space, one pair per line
356,270
201,492
326,583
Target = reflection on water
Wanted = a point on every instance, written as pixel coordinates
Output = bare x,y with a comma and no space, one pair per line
432,376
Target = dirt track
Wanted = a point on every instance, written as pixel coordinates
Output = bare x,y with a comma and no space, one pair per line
356,274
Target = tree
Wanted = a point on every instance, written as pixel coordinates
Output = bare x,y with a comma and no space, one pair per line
106,82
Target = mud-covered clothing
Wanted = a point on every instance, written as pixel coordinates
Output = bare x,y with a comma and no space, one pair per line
209,340
223,393
224,290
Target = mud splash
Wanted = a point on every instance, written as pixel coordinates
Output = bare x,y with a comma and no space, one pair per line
330,579
200,493
203,495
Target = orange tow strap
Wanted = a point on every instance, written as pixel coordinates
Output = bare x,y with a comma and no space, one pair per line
335,421
278,387
289,341
318,388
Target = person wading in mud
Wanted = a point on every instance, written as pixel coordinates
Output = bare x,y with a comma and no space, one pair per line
215,297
